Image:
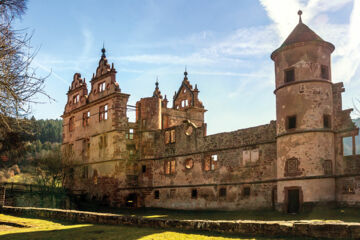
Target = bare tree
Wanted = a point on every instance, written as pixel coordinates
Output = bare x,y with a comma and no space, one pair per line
19,83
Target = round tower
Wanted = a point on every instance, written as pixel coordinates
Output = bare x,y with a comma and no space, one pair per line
304,115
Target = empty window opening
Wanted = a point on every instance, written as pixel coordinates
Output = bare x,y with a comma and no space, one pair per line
327,121
103,113
157,194
289,75
143,168
170,167
71,124
76,99
348,187
130,134
189,163
324,72
246,191
291,122
194,193
347,145
210,162
102,87
222,192
86,117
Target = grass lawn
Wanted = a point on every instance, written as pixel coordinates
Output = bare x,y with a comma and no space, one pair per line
319,213
46,229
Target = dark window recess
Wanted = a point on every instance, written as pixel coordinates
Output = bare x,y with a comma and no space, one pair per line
289,75
222,192
327,121
157,194
194,193
324,72
246,191
291,122
143,168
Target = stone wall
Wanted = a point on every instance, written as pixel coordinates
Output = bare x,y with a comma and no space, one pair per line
318,229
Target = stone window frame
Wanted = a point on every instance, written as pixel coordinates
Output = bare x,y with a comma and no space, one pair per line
157,194
289,120
172,193
71,123
101,87
170,136
325,72
130,134
194,193
292,173
76,99
286,76
246,191
86,118
143,168
211,162
103,112
286,197
328,168
170,167
222,192
348,186
189,163
353,145
327,121
103,141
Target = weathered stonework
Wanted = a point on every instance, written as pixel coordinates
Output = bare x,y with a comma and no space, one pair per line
166,159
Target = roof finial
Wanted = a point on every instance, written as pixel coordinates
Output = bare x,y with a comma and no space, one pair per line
103,50
299,13
157,82
185,73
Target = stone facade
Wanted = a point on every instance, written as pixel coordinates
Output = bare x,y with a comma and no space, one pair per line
166,159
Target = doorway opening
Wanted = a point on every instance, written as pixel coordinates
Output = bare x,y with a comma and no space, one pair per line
131,200
293,203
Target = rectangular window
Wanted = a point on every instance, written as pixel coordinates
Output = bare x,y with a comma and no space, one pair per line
246,191
71,124
130,134
157,194
167,137
172,193
170,167
347,144
324,72
222,192
144,123
291,122
327,121
86,117
143,168
103,112
172,136
194,193
289,75
76,98
101,87
210,162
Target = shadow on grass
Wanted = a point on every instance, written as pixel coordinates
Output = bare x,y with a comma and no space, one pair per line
97,232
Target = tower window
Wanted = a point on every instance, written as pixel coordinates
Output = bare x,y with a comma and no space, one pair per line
103,113
101,87
291,122
157,194
324,72
194,193
327,121
222,192
289,75
246,191
143,168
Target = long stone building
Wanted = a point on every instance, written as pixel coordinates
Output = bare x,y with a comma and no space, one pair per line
165,158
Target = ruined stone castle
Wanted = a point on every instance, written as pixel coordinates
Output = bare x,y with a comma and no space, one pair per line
165,158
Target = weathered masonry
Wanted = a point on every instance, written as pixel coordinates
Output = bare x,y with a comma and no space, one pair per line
166,159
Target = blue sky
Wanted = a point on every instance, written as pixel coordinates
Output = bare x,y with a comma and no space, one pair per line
226,46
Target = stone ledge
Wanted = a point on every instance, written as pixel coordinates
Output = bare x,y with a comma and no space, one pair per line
315,229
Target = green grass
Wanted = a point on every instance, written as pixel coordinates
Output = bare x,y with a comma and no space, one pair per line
46,229
319,213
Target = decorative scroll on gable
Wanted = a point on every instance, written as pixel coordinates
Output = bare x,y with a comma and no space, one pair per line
77,82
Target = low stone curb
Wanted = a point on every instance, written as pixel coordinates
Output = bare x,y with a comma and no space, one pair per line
316,229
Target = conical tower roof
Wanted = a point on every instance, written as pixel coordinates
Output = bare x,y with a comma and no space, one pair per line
301,33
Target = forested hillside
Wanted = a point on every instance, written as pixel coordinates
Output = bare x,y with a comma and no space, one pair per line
49,130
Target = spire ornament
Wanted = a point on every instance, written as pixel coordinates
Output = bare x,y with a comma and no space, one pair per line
300,13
